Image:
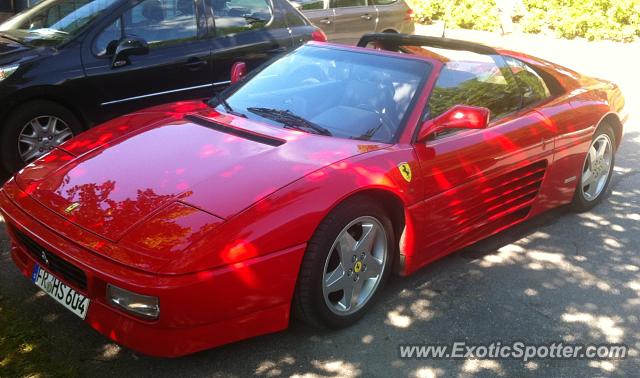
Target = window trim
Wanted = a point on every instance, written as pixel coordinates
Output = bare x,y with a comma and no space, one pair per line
393,2
367,4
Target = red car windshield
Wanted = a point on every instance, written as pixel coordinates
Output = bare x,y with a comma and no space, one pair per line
331,91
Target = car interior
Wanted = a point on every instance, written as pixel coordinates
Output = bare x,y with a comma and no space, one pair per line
350,99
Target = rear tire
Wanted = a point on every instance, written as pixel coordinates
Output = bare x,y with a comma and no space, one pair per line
597,170
350,252
33,129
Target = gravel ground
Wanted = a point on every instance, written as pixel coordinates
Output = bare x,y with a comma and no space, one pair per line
559,277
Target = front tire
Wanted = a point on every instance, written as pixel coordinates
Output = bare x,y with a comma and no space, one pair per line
347,262
32,130
597,170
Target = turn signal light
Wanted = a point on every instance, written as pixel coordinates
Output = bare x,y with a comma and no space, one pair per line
143,306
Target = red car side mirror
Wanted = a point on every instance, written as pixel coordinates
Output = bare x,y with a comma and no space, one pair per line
238,71
458,117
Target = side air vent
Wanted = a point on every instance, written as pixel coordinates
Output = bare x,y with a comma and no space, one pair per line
492,205
241,133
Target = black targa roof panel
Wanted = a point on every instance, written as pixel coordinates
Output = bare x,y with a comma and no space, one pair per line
393,40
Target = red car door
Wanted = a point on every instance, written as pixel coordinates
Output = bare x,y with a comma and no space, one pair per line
478,182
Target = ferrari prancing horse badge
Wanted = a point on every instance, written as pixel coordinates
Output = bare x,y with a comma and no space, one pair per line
405,171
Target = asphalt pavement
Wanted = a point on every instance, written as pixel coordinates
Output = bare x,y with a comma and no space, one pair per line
561,277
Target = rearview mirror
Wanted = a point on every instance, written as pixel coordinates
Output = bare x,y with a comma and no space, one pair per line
458,117
238,71
127,47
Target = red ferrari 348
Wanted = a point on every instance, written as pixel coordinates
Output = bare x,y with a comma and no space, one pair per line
303,186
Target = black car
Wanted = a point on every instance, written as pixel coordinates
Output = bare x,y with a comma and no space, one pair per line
66,65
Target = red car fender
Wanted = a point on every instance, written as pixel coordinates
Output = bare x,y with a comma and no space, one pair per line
290,216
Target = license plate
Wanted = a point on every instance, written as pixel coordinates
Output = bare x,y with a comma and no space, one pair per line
58,290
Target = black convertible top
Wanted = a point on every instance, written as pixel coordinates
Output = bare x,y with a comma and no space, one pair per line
392,41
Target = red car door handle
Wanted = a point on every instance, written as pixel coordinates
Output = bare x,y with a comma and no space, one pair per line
366,17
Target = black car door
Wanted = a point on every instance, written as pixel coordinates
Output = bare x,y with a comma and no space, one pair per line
251,31
177,66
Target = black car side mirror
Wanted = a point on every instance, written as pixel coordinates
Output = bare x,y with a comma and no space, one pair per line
127,47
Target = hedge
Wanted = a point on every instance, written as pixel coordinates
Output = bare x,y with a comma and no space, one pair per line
615,20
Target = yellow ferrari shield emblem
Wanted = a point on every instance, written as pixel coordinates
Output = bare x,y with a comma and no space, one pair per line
405,171
71,207
358,267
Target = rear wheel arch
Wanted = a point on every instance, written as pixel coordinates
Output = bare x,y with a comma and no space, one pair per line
613,120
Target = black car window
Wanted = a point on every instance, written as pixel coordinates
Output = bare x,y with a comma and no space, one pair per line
312,4
532,86
348,3
236,16
109,35
162,22
473,79
158,22
384,2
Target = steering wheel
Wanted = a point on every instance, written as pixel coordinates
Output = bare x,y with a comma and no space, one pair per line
309,75
386,124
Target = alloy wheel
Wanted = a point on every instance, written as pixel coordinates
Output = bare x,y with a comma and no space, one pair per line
41,135
355,265
597,167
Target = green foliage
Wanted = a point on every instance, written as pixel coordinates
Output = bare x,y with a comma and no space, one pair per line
616,20
467,14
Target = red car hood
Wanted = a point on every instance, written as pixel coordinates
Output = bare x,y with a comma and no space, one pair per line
217,163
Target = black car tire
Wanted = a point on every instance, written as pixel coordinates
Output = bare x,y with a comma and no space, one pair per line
580,201
309,303
14,123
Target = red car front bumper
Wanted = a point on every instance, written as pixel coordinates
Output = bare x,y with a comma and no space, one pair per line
197,311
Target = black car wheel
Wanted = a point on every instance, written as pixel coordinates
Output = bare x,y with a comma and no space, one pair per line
34,129
347,261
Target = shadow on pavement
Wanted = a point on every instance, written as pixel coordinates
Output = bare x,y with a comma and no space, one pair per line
559,277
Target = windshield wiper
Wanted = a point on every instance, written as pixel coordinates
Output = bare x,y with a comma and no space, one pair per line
221,101
290,120
10,37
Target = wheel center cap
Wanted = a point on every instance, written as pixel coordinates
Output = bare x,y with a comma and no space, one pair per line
357,267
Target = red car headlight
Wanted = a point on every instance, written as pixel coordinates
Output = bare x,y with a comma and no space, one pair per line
144,306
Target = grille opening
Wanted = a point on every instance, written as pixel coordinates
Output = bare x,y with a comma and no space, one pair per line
66,270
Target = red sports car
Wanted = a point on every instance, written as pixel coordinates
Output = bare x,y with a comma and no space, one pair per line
303,186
